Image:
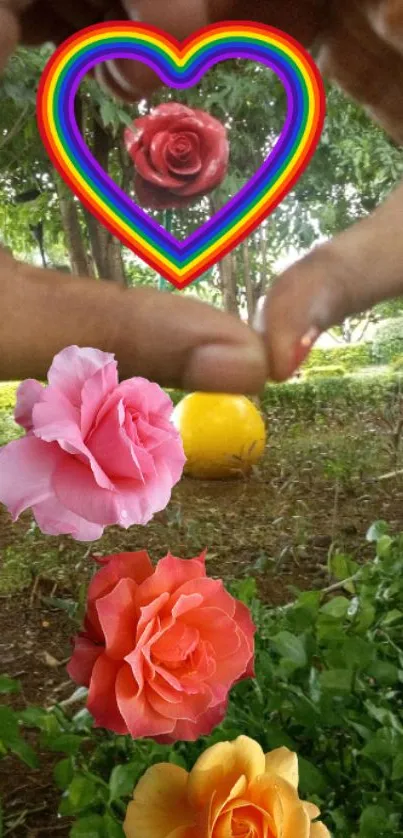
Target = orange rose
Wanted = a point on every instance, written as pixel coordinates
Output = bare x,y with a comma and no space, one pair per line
234,789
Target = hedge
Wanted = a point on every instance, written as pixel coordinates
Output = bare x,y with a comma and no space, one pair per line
388,341
397,363
343,397
7,395
305,399
350,357
331,371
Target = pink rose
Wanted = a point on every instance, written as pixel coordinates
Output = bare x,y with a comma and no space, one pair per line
178,153
96,452
161,647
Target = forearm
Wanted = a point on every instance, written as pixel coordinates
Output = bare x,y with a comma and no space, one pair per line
370,255
44,311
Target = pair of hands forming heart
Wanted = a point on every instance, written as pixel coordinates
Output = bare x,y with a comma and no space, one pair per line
177,340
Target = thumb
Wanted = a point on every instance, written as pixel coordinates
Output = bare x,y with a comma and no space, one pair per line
348,275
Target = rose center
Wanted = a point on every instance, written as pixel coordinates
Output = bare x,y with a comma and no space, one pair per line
180,146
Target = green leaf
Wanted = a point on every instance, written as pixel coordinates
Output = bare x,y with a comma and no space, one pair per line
66,743
337,607
91,826
108,112
311,780
392,617
357,652
377,530
373,821
81,794
384,673
365,617
9,685
122,780
383,546
336,680
290,647
397,770
24,751
33,717
9,730
63,773
381,747
342,566
177,759
113,829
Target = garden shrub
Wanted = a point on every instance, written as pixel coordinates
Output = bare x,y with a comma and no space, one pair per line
397,363
329,685
352,358
388,341
344,397
8,391
330,371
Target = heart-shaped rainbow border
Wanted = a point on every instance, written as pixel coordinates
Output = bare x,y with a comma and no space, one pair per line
181,66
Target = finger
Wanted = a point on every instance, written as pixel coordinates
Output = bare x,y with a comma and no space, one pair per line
9,35
133,80
365,64
358,269
174,340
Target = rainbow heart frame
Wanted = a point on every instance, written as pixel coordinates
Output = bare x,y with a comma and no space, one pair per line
181,65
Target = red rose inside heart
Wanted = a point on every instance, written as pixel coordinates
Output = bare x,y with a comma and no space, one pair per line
179,154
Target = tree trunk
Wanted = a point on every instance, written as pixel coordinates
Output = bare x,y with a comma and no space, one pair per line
263,253
249,291
72,231
106,249
228,284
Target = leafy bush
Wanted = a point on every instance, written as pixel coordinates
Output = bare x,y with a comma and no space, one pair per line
7,395
388,341
330,371
9,429
397,363
352,358
329,686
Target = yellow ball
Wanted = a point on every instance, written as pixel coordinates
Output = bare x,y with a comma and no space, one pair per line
223,435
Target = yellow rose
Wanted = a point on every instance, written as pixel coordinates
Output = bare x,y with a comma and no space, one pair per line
234,790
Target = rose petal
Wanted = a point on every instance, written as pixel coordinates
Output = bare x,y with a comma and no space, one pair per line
156,151
112,448
83,660
183,708
56,419
28,393
220,767
76,489
33,463
54,519
94,392
139,716
283,763
145,170
169,574
135,566
72,367
101,700
152,197
116,613
319,830
159,805
187,731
